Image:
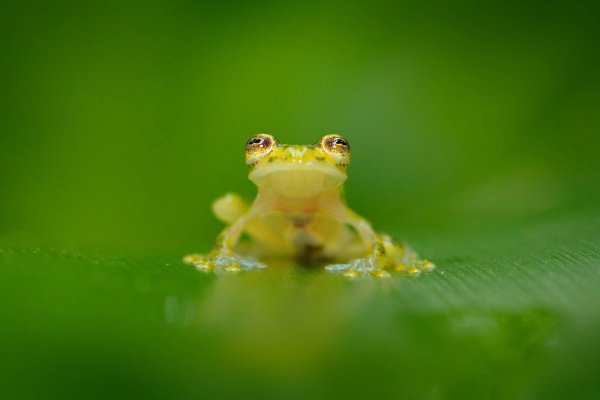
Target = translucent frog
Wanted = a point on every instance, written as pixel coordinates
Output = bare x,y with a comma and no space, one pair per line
299,214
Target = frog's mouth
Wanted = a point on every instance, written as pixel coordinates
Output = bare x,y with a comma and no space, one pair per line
297,180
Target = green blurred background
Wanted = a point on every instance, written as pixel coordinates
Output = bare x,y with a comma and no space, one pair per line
475,137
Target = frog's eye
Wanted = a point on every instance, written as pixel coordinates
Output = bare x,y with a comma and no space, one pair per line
337,146
259,146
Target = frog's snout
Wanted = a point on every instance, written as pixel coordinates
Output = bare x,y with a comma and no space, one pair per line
297,153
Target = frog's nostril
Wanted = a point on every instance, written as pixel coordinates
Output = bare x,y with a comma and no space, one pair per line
297,152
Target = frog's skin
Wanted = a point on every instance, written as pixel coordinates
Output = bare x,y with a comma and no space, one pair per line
299,213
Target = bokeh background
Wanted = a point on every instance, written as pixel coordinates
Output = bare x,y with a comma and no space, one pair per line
475,136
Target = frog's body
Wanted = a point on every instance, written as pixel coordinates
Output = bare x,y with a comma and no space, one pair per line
299,213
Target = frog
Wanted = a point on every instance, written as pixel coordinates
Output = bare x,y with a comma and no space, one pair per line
300,214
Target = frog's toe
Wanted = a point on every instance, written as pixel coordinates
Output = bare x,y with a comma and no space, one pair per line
223,263
236,263
233,268
427,265
192,259
351,273
200,262
414,267
380,273
376,273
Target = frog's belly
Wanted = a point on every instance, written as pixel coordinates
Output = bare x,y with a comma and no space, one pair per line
309,237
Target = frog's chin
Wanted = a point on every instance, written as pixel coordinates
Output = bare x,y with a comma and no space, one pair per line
297,180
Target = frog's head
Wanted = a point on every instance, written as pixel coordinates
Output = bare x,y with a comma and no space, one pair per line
298,171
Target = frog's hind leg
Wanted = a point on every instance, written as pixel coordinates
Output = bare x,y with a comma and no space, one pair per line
383,253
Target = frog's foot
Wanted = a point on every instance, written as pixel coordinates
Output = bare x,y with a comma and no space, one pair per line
414,267
372,266
358,268
221,262
400,257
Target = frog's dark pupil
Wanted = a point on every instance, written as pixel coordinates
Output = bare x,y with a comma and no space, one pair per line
340,141
255,141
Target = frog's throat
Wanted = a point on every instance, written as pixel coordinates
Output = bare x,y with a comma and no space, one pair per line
298,180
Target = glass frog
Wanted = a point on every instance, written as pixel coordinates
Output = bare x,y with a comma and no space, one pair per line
299,214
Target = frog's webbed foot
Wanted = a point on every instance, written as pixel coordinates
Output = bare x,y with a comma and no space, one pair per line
371,266
387,256
218,262
359,267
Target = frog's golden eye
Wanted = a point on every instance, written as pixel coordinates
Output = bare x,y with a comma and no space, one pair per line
337,146
259,146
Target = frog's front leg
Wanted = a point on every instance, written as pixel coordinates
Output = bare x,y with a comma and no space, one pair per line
230,236
223,255
383,253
